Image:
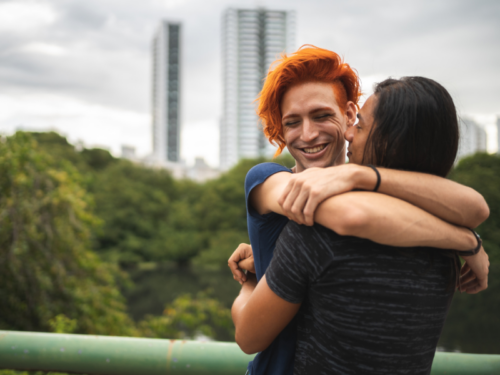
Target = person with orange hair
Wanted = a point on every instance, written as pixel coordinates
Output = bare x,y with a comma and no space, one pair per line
307,103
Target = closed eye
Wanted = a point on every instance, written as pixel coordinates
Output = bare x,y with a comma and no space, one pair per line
323,116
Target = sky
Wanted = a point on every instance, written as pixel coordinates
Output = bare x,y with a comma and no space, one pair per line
83,68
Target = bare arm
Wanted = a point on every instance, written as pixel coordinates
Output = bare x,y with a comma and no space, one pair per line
378,217
259,315
448,200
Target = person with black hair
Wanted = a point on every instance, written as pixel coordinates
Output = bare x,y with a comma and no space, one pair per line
364,307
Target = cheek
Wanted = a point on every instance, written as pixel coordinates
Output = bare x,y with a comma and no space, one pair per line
290,134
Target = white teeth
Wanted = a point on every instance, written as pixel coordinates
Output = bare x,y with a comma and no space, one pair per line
312,150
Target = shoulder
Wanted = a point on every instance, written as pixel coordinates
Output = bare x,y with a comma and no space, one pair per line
259,173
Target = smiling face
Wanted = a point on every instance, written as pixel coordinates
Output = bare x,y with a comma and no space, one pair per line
314,125
357,135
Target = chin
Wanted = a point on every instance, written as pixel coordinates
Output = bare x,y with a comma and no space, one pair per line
317,164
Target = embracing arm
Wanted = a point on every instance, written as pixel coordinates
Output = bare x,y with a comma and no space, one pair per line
259,315
378,217
446,199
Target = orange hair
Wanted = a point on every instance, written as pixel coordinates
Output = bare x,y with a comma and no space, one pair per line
309,63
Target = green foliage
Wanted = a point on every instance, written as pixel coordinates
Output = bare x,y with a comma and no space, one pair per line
189,317
12,372
150,217
220,248
62,324
145,217
482,173
97,158
472,325
46,266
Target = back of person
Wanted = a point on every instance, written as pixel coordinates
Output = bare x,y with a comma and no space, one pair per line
366,308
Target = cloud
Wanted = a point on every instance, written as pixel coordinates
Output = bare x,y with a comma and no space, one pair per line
25,16
95,125
97,53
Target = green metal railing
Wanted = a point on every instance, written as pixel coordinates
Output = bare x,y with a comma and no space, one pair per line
86,354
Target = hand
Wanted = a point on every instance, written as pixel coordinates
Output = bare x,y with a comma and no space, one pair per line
306,190
242,259
474,273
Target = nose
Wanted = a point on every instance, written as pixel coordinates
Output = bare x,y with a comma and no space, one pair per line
310,131
349,134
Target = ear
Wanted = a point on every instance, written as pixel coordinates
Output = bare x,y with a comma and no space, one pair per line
350,113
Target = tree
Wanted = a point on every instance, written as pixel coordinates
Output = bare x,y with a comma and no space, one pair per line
463,330
482,172
187,317
221,211
147,217
46,265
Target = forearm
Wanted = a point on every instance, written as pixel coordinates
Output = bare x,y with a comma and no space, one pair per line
446,199
390,221
259,315
242,299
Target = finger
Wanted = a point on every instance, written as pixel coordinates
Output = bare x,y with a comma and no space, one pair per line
298,206
238,274
313,201
238,280
290,199
467,278
468,284
465,268
246,264
246,250
233,266
285,193
475,289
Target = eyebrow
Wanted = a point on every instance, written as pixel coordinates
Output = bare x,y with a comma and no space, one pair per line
359,116
312,112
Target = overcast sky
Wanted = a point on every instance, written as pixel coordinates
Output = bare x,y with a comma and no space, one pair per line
83,67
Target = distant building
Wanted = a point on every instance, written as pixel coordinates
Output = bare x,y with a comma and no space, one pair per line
201,171
472,138
166,92
251,40
128,152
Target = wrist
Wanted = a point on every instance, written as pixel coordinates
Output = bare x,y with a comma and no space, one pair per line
465,257
468,240
364,178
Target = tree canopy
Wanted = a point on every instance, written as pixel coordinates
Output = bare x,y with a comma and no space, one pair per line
75,222
47,266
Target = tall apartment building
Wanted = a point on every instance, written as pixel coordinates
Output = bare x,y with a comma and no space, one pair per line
472,138
166,92
251,40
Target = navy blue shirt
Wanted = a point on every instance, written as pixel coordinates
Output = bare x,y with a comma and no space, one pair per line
263,231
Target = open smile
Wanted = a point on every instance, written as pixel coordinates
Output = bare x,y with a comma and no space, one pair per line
315,151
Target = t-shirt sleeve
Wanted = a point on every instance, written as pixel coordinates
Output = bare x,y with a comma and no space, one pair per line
256,176
289,273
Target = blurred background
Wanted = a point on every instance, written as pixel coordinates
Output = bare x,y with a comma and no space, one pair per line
128,128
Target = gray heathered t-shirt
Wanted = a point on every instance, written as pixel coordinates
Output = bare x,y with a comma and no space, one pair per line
366,308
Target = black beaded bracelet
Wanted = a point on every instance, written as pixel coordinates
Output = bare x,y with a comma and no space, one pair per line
378,176
478,247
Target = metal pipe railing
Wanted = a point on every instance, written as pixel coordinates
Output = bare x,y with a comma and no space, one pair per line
103,355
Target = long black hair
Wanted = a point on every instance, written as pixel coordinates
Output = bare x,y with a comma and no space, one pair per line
415,127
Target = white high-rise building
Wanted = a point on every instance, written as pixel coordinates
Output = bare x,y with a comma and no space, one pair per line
251,40
472,138
166,92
